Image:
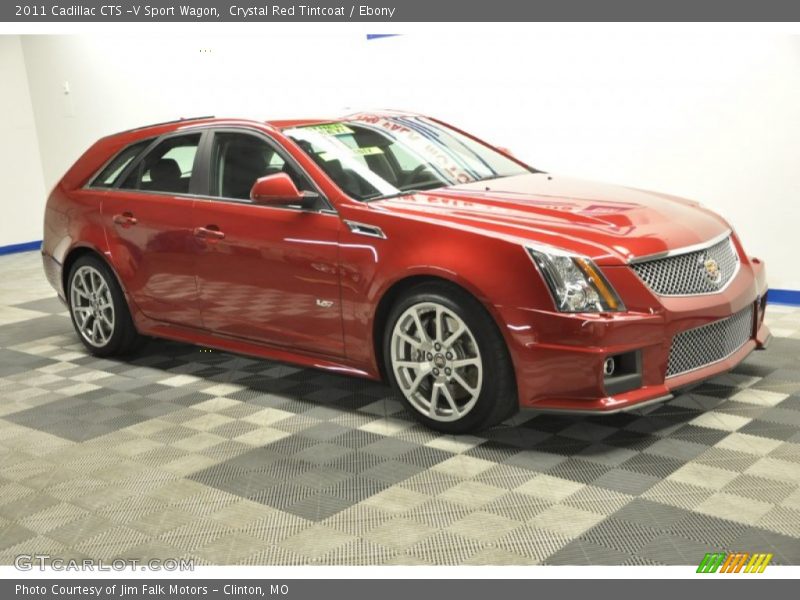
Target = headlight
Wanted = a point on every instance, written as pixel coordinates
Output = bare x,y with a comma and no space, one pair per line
576,283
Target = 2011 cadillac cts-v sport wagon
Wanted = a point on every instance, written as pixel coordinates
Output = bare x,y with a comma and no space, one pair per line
395,246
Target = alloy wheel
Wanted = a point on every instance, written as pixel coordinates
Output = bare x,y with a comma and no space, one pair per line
92,306
436,362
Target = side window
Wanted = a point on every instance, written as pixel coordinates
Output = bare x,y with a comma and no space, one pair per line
167,167
239,159
108,176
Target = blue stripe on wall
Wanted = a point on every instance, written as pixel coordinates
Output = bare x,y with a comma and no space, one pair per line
784,297
377,36
23,247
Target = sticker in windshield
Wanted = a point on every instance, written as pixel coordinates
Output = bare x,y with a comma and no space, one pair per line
331,129
368,150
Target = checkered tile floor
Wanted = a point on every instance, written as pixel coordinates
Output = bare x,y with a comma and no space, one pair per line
181,452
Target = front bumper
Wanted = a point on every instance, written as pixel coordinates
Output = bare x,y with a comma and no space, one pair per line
558,357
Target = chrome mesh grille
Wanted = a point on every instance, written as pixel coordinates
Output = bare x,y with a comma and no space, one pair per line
702,346
691,273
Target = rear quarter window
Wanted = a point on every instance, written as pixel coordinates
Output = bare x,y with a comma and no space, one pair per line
109,174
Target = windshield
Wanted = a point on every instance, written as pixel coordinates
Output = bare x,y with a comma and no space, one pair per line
372,156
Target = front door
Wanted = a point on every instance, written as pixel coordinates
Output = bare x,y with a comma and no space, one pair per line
268,274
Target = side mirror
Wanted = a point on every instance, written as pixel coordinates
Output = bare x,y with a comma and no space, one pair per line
277,189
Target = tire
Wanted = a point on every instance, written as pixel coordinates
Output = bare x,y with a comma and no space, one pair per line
472,369
98,309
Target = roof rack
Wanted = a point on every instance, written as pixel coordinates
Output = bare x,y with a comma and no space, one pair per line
180,120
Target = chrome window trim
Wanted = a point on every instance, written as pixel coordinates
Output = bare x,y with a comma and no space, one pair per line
328,209
206,198
685,250
325,210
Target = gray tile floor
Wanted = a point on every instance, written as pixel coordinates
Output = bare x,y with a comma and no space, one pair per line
179,452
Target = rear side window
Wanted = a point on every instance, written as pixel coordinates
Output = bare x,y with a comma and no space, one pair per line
111,172
167,167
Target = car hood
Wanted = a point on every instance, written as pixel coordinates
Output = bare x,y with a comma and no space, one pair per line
608,223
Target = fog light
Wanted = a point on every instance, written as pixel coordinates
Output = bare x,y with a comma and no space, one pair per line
622,372
609,365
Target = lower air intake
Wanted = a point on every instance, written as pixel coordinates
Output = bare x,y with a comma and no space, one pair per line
702,346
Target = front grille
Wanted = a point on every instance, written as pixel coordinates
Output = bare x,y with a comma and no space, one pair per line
699,272
702,346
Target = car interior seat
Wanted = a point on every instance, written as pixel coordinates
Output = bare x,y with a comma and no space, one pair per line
346,179
165,176
244,163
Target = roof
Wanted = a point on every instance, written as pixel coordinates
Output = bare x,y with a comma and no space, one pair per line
286,123
167,126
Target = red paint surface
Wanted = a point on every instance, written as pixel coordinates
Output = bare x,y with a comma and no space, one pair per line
254,289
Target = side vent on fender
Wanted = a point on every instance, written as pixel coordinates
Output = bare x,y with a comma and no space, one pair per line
364,229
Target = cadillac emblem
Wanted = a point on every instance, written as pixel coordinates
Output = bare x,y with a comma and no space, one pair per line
713,272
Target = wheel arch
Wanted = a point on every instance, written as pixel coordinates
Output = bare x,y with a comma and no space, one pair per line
74,253
394,291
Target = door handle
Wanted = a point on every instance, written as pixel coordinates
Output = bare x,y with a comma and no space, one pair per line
209,232
126,219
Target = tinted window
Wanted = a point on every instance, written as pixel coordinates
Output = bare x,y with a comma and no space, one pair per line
108,176
239,159
373,156
167,167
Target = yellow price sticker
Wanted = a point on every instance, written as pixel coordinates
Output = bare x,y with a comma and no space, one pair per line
332,129
368,150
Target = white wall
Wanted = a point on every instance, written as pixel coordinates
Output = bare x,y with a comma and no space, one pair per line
710,116
23,193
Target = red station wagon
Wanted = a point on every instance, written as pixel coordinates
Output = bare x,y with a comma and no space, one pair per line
390,245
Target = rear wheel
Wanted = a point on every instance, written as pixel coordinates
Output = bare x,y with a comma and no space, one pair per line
98,309
447,359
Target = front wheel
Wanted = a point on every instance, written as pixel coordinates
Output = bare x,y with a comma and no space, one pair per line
98,309
447,359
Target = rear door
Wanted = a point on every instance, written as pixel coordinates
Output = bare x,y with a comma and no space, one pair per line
265,273
148,220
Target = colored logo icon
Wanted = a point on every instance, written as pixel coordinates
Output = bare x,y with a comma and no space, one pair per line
736,562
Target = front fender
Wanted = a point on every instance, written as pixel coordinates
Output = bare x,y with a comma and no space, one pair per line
497,272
